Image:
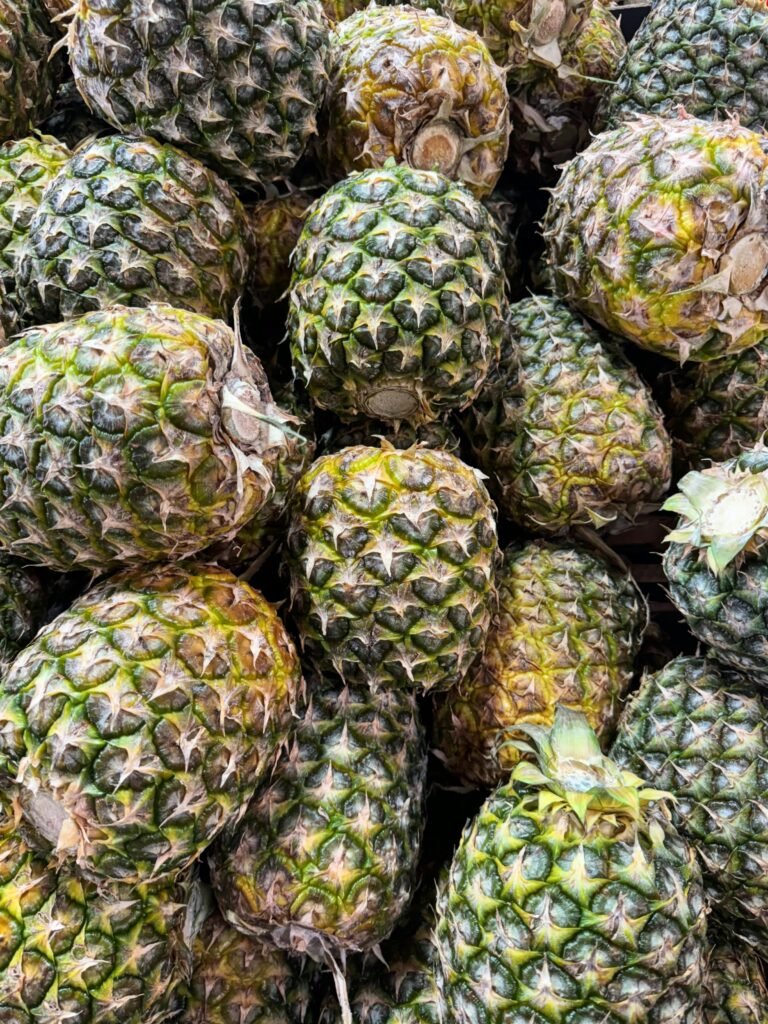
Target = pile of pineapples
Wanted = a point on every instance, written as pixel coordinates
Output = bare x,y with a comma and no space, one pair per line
345,348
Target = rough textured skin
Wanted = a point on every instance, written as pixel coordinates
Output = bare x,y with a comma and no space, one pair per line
338,10
700,731
325,858
392,555
414,86
23,605
119,444
549,920
139,722
568,628
398,297
564,427
734,989
128,220
276,225
70,120
659,232
727,611
506,207
236,82
369,432
237,979
72,952
716,410
709,57
27,166
27,73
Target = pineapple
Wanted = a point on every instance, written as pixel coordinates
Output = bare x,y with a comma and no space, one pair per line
392,555
138,723
70,120
338,10
237,84
324,861
565,429
734,989
567,631
237,979
701,731
397,300
23,608
27,166
29,68
276,225
659,232
75,952
367,432
703,56
572,898
717,559
130,436
507,208
413,86
128,220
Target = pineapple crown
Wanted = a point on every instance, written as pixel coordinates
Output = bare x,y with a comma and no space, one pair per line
723,509
572,772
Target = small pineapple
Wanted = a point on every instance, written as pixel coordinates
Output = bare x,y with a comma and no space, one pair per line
658,231
734,989
128,220
392,555
238,84
29,69
701,731
398,300
276,224
564,427
567,631
414,86
138,723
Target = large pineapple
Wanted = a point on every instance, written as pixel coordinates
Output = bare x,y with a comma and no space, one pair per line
567,631
129,220
701,731
28,68
72,951
734,989
392,555
704,56
236,979
138,722
717,559
571,898
237,83
564,427
397,300
659,232
413,86
27,166
325,858
132,435
23,607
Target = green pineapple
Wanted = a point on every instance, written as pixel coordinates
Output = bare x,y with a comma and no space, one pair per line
564,428
133,435
734,989
572,898
413,86
397,301
29,69
392,555
701,731
717,559
704,56
129,220
657,232
324,860
138,723
237,84
568,628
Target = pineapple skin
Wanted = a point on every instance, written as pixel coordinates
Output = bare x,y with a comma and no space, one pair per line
276,226
675,59
23,607
734,990
130,220
437,102
324,861
564,428
28,70
698,730
338,10
236,84
658,231
398,297
124,449
392,555
138,723
568,628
